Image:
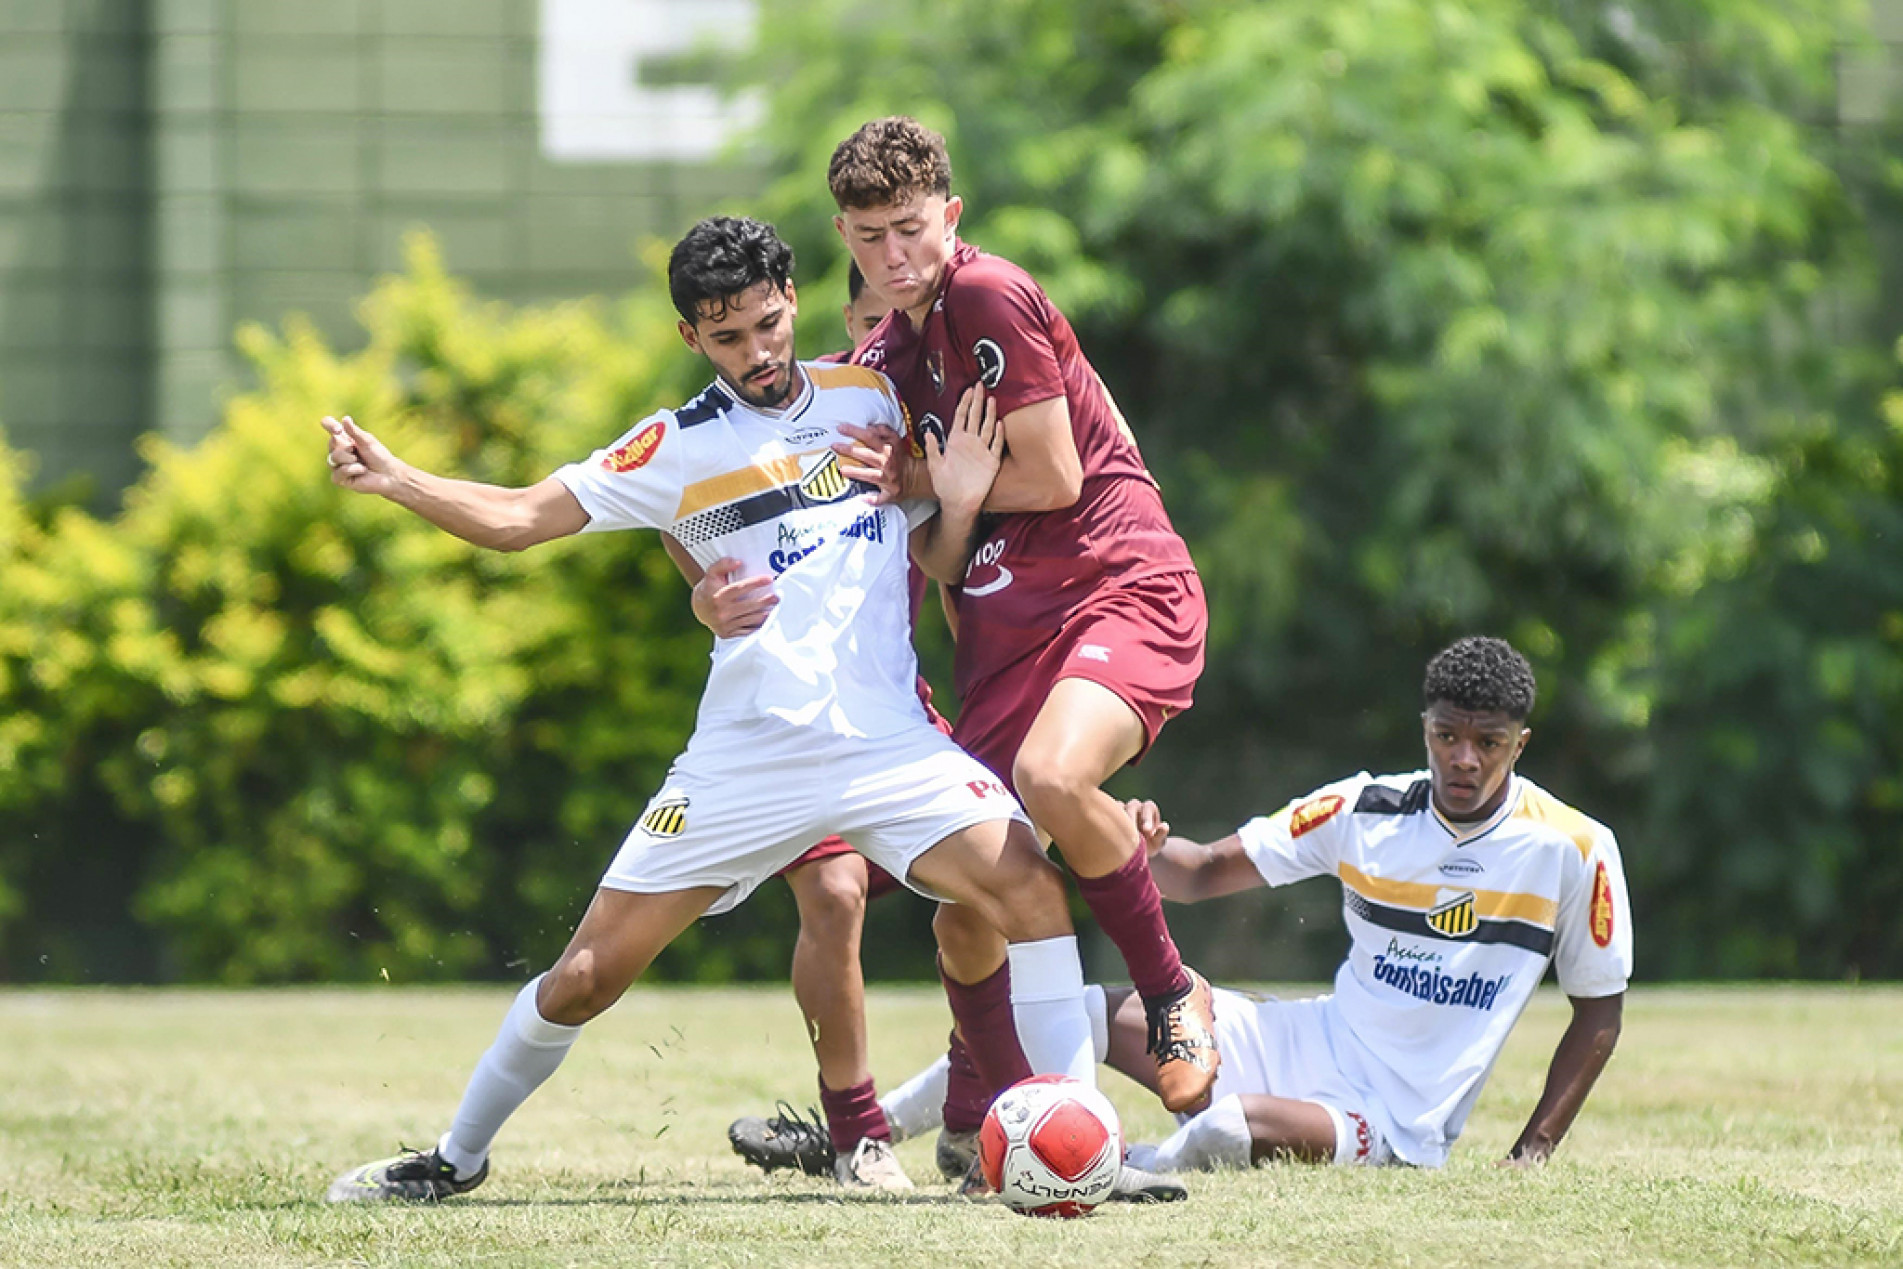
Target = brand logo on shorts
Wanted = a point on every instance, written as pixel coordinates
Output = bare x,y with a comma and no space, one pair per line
1454,917
637,450
1602,907
666,819
825,482
990,359
1313,813
1093,652
987,788
1462,868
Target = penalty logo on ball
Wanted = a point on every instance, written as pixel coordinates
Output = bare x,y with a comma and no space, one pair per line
1051,1146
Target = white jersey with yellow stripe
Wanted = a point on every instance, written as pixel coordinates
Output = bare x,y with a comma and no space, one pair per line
765,487
1452,928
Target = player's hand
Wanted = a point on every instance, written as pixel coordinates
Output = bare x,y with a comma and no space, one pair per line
965,463
733,608
1150,824
876,455
359,461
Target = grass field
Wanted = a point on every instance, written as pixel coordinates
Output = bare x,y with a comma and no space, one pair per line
1735,1127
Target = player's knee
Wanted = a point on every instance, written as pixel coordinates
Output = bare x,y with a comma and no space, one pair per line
1048,785
832,902
1030,896
576,990
969,946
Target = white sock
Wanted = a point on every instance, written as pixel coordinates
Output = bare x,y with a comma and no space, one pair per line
1047,1003
526,1052
1217,1138
917,1106
1099,1010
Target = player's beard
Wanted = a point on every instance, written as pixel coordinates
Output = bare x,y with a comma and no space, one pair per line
771,398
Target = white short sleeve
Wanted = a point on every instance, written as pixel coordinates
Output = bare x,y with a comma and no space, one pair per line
1307,837
634,483
1592,943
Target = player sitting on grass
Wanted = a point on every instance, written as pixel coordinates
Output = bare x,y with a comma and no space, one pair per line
1460,885
807,727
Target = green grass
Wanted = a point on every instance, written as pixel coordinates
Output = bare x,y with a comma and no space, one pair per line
1735,1127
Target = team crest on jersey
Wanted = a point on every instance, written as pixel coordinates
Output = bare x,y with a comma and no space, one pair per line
1602,907
639,448
1455,917
935,367
825,482
990,359
666,819
1313,813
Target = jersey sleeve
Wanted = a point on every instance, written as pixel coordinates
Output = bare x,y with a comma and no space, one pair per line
1592,936
1307,837
1005,330
634,483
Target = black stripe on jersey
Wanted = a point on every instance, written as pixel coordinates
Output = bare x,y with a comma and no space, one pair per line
731,517
705,408
1490,930
1379,799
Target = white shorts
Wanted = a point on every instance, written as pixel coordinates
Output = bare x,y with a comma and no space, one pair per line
744,801
1286,1048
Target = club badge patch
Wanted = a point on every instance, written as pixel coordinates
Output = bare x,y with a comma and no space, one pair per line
1313,813
935,367
1454,917
666,819
1602,907
990,359
639,448
825,482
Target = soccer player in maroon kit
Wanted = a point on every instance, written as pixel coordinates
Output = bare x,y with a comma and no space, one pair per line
1081,619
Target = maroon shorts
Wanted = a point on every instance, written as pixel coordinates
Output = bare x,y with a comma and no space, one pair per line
1143,641
879,882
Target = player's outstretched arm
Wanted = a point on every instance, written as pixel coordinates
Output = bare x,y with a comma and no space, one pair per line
1582,1053
499,518
962,467
1186,871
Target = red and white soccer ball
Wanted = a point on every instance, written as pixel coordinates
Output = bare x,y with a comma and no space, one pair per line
1051,1146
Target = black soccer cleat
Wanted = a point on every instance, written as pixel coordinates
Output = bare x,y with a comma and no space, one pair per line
412,1177
787,1140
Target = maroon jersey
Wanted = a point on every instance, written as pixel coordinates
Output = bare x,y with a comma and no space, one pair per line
1034,570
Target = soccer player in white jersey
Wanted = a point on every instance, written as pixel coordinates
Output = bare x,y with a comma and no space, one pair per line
1460,884
808,726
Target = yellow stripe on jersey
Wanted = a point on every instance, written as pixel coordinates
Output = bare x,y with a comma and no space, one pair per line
845,377
1542,807
1504,905
733,485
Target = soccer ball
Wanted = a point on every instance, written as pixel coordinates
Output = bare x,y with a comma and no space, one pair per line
1051,1146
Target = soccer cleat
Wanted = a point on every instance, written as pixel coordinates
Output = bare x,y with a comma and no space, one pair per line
787,1140
1136,1185
1183,1042
871,1166
413,1176
957,1153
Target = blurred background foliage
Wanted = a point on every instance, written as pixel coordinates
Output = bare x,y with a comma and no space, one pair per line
1553,320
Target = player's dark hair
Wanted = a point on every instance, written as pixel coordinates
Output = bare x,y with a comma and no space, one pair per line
855,283
1478,673
720,258
888,161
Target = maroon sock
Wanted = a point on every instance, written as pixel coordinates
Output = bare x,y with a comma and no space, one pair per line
853,1114
966,1097
1128,907
982,1012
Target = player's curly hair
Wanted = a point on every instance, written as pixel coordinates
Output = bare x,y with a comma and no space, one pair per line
721,257
886,162
1479,673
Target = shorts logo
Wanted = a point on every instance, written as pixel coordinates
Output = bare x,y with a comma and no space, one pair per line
1364,1135
1093,652
986,788
639,448
1462,868
1313,813
666,819
825,482
1454,917
990,359
1602,907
